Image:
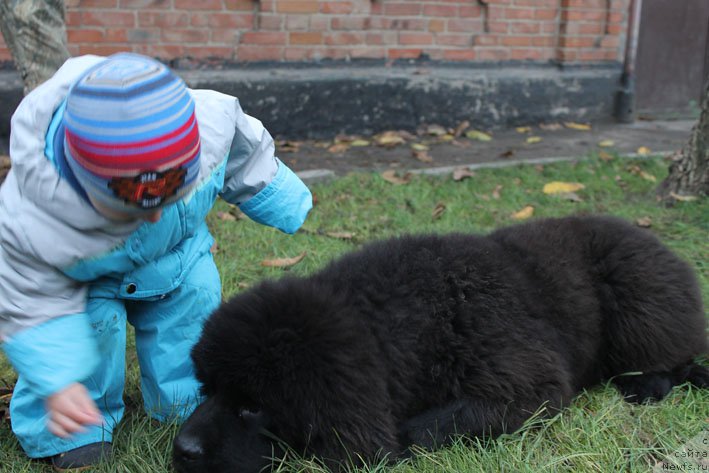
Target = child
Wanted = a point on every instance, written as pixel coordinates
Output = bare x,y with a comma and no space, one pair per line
115,165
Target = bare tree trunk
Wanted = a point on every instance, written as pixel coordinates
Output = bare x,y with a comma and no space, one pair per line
689,169
35,33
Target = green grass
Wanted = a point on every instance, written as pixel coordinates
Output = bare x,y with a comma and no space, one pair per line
597,433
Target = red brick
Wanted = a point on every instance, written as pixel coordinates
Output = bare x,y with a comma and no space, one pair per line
440,10
367,53
437,25
544,41
381,38
497,27
455,40
521,54
305,38
349,23
610,42
270,22
591,55
336,8
319,23
149,4
101,50
581,15
116,35
598,4
346,39
459,55
402,9
492,54
262,37
537,3
408,39
162,51
297,6
198,5
204,52
548,14
519,13
578,42
140,35
397,53
240,5
163,19
465,26
615,29
297,22
267,6
230,20
84,35
185,35
469,11
73,18
97,4
524,27
566,55
107,18
486,40
516,40
409,24
259,53
223,35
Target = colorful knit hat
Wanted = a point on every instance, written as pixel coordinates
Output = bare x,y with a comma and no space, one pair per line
131,134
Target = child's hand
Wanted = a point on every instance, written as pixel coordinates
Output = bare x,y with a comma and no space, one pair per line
70,410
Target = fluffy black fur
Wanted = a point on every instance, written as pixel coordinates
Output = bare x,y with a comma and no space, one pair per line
416,339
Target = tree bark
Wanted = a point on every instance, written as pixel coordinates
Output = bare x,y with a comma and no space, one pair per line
689,168
35,33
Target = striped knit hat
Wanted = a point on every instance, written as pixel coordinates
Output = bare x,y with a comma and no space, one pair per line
131,134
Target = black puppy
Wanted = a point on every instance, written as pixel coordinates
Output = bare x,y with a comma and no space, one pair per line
417,339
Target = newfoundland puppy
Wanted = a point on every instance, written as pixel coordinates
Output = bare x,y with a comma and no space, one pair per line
414,340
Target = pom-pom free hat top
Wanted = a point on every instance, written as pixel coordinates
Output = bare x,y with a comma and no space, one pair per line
131,136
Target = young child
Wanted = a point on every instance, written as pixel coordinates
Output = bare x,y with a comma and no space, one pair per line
115,165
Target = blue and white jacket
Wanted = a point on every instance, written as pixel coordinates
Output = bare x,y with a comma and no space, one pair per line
56,250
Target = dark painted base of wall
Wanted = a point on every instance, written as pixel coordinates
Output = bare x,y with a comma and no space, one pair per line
322,101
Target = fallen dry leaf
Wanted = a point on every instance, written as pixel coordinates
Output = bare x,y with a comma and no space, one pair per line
638,171
419,147
478,135
643,151
557,187
338,148
496,191
447,137
462,173
534,139
645,222
226,216
283,262
422,156
550,126
359,143
524,214
391,176
683,198
606,143
341,235
524,129
438,210
389,139
288,146
605,157
507,154
436,130
462,126
577,126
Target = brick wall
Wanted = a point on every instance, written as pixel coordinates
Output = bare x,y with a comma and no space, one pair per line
305,30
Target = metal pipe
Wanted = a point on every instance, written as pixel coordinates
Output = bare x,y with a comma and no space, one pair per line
625,101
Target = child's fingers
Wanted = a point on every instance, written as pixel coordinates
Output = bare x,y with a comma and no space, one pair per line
85,407
62,425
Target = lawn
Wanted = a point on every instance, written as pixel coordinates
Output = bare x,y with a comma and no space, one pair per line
599,432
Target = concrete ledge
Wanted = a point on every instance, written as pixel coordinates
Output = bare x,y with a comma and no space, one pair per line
321,101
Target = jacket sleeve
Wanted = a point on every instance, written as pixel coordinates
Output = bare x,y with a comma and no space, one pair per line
264,188
48,349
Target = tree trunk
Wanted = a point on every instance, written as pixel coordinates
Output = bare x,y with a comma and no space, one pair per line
35,33
689,168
